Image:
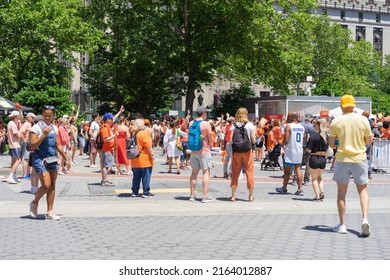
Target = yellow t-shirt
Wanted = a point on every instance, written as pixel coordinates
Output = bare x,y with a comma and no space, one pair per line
350,129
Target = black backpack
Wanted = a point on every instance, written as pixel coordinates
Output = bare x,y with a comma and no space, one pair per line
240,141
99,142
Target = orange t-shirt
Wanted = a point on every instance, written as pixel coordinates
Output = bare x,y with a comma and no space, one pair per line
259,132
385,133
270,140
105,132
144,141
277,133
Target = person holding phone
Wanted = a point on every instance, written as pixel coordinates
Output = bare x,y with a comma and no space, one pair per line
45,142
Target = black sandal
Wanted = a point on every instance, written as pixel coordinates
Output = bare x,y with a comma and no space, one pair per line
316,199
322,196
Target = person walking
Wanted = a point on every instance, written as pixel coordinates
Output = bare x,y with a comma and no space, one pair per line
293,152
14,136
45,142
243,140
354,133
309,130
316,147
25,132
93,132
200,159
227,165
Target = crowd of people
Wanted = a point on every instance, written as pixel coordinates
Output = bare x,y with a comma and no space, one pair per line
189,143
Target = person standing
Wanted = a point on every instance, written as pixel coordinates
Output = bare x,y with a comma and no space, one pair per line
142,165
14,136
45,142
243,155
25,132
354,133
201,159
107,154
170,148
309,130
293,152
227,166
93,132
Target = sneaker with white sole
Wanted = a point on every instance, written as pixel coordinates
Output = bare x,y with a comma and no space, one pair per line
207,199
340,229
281,190
51,216
33,210
33,190
192,198
11,180
366,229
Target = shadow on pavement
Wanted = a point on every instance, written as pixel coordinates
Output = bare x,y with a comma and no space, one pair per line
320,228
39,217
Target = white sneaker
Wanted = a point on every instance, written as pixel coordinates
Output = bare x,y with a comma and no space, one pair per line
11,180
17,179
192,198
33,190
340,229
365,229
2,177
51,216
33,210
207,199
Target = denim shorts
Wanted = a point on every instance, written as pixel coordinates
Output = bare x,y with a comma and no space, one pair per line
40,167
15,153
201,161
344,170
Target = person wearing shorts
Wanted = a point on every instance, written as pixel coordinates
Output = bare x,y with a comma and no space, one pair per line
354,133
316,147
107,160
294,138
202,160
15,149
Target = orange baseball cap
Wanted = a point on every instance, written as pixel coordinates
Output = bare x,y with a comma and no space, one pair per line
347,101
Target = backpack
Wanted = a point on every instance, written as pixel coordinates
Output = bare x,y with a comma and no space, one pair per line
132,150
240,141
99,142
195,141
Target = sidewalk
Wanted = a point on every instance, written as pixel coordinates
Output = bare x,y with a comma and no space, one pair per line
105,223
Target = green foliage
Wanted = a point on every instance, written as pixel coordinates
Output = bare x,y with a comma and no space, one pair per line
232,99
41,34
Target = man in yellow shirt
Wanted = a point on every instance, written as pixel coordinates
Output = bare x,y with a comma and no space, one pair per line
354,133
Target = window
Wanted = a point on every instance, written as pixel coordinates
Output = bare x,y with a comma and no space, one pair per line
378,17
378,39
360,16
360,33
324,11
342,15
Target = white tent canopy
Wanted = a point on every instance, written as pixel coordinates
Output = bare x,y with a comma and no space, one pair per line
338,112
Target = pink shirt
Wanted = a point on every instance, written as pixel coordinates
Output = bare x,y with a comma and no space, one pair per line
13,138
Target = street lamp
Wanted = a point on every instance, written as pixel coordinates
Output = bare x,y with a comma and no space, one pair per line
200,99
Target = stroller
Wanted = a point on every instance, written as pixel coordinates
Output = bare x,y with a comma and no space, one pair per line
272,159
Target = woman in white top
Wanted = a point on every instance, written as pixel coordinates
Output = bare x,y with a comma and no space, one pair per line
170,144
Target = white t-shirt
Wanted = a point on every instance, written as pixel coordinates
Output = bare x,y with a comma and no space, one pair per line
249,128
94,129
39,126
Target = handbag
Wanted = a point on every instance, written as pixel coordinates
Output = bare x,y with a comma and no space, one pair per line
179,146
50,161
329,152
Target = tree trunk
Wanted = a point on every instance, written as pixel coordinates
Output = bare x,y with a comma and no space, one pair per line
190,96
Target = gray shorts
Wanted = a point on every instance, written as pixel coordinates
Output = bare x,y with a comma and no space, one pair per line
108,159
344,170
201,161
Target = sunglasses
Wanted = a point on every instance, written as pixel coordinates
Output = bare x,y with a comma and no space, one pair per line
49,107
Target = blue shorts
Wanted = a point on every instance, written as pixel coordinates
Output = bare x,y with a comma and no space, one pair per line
15,153
285,163
40,167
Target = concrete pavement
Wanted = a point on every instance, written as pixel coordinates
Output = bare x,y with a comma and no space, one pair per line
105,223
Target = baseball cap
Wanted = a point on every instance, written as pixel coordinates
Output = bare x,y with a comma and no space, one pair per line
379,124
108,116
309,117
14,113
38,118
31,115
347,100
200,110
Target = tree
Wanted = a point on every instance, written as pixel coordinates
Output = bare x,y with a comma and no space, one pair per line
232,99
38,40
